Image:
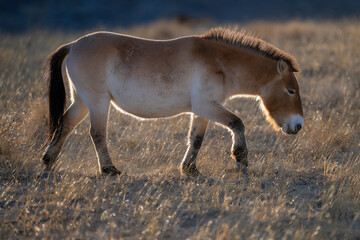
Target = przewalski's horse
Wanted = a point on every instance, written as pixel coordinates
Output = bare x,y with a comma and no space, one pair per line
157,79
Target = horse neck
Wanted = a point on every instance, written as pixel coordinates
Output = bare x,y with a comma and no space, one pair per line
249,72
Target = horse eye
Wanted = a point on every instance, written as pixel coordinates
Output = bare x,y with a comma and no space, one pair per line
291,91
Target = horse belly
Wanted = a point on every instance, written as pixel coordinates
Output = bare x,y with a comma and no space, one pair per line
146,100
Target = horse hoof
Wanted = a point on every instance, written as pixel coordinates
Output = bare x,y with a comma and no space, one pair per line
45,173
190,172
110,171
244,170
240,156
238,170
194,174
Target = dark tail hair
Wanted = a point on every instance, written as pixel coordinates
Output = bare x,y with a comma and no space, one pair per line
57,94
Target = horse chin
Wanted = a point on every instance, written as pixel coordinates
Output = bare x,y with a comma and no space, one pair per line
285,129
288,131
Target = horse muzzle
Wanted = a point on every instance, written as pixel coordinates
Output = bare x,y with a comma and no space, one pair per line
293,125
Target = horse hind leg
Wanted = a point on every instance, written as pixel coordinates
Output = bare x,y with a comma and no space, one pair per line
73,116
196,135
98,120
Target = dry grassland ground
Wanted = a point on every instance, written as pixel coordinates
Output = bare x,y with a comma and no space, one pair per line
300,187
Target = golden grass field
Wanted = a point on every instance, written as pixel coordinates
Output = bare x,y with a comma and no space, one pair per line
300,187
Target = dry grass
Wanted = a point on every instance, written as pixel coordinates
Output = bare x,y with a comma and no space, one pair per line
300,187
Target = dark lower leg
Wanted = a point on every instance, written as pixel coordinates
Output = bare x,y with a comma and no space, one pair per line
105,164
73,116
188,166
239,150
196,136
54,149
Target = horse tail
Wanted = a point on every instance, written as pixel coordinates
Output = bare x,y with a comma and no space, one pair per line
57,94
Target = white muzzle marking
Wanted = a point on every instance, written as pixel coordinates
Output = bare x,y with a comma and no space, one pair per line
293,124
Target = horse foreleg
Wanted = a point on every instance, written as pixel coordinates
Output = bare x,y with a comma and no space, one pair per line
98,120
218,113
239,149
73,116
196,135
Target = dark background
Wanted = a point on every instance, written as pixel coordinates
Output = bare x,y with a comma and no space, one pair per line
68,15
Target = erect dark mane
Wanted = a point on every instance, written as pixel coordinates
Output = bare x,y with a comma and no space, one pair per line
244,40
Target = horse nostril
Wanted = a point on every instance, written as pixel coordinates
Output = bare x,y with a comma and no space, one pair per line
298,127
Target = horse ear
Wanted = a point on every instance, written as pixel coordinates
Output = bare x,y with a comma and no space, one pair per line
281,66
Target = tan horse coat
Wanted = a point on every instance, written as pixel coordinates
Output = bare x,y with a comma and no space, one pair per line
156,79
